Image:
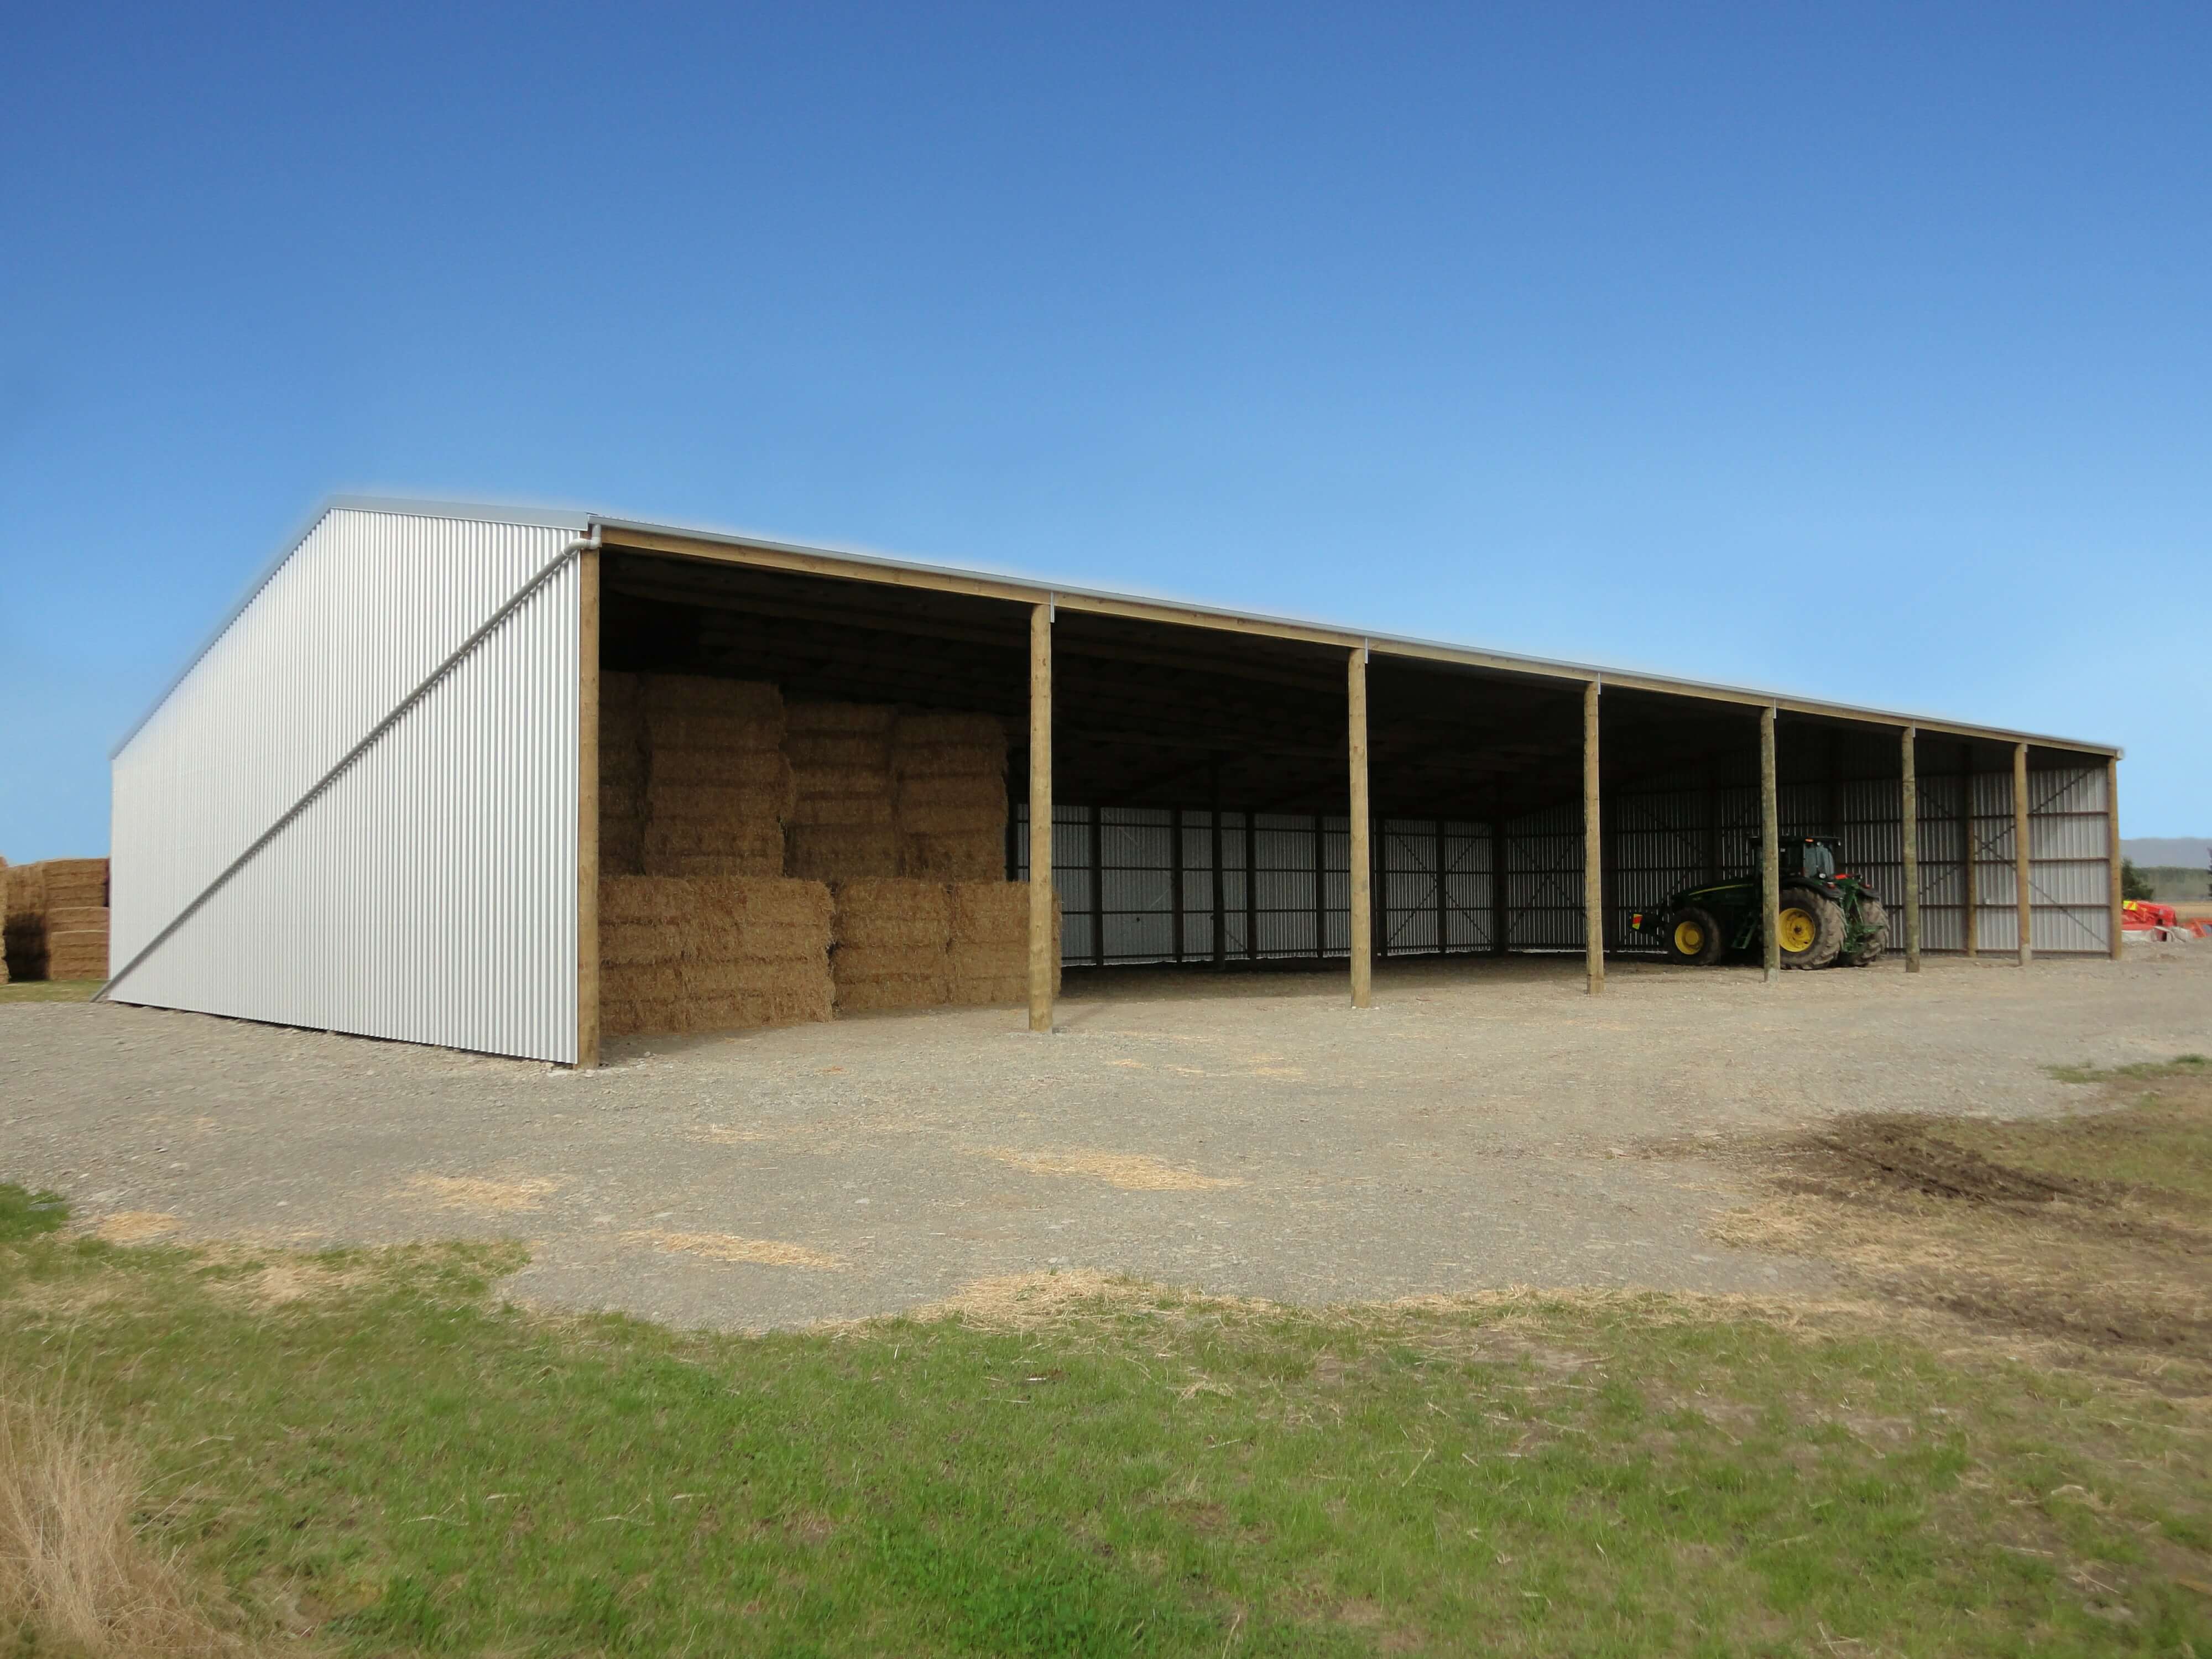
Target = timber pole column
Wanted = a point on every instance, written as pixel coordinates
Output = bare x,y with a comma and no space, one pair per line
1770,851
1909,824
587,810
1040,962
2023,892
2114,894
1362,856
1592,848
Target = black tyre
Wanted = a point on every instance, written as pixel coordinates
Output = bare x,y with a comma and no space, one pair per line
1873,917
1812,931
1694,938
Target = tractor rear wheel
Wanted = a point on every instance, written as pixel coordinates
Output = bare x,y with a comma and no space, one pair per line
1812,928
1873,917
1694,938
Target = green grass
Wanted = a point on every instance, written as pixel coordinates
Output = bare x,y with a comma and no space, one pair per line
49,990
373,1446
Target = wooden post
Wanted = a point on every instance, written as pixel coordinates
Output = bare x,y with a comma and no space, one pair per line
1908,815
1593,849
587,809
1220,905
1769,850
2112,893
1040,962
1361,859
1971,868
2023,891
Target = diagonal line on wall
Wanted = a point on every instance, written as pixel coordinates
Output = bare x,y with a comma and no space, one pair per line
429,683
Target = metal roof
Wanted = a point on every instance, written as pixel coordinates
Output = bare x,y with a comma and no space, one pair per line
860,566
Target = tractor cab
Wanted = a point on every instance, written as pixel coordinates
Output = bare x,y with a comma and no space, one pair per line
1817,858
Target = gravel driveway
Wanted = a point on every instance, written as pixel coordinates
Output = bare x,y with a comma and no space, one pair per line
1484,1124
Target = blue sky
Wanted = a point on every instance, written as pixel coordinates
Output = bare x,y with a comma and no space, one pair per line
1853,351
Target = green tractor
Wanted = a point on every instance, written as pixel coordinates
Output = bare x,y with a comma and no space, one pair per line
1827,914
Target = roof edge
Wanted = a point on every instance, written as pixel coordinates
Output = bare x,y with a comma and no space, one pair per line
1189,613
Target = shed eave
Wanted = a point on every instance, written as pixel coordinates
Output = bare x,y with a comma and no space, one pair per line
853,565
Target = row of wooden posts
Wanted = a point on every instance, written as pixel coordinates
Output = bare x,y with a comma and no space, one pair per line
1363,925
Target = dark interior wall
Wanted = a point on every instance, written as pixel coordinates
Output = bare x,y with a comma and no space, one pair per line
1475,774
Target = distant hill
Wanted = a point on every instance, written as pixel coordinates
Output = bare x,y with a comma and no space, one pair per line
2191,850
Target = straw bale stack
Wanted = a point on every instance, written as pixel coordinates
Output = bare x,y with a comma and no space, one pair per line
717,787
621,776
949,787
987,960
3,919
843,826
72,884
891,938
716,954
76,942
23,931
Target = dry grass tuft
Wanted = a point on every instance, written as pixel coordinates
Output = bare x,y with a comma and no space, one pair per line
728,1247
476,1193
136,1226
1134,1172
75,1575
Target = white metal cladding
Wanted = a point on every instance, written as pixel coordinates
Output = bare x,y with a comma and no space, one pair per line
429,892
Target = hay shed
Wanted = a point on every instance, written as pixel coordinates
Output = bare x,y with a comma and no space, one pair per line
513,781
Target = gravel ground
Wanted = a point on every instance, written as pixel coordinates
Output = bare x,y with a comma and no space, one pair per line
1484,1124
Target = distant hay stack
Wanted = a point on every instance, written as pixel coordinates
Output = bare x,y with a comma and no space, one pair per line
717,787
77,941
720,953
891,938
949,786
34,893
843,826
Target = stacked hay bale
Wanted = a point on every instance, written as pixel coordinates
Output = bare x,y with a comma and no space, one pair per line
56,924
843,825
3,919
948,784
717,787
891,944
719,953
621,776
988,953
23,934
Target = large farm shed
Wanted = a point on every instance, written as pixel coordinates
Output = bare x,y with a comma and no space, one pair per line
511,780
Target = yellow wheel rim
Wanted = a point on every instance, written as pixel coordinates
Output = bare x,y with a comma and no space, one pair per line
1689,938
1798,930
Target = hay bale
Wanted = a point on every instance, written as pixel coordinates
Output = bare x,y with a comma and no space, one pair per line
74,884
715,954
808,718
645,898
877,996
690,711
27,892
841,809
837,852
988,961
973,856
864,753
895,912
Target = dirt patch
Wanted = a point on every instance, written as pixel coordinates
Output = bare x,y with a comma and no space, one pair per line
478,1192
1132,1172
728,1247
136,1226
2092,1232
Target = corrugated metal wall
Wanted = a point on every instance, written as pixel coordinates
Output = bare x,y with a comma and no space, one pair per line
428,892
1122,887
